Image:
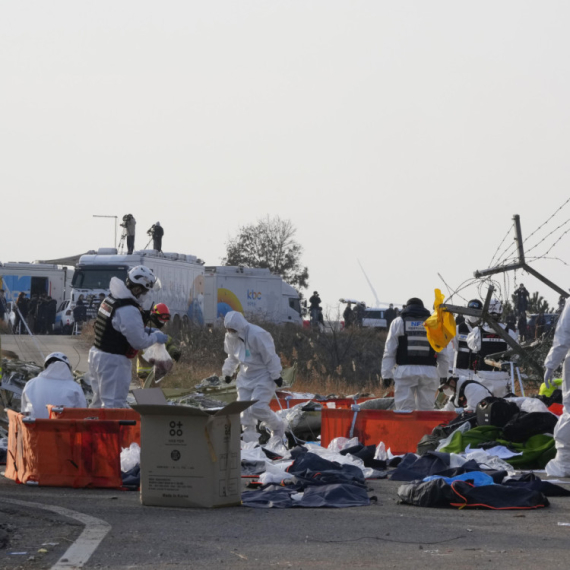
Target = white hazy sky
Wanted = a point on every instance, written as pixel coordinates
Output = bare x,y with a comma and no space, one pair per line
403,134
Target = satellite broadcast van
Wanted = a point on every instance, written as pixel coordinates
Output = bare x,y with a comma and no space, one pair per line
181,277
254,292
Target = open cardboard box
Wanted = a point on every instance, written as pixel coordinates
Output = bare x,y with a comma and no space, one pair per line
189,457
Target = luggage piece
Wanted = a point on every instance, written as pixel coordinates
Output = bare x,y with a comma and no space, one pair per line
495,412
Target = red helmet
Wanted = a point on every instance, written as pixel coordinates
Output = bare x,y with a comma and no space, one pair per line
160,312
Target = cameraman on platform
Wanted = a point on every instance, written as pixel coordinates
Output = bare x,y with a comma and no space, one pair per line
156,232
129,224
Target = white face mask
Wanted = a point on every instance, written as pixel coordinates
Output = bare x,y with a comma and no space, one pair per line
449,392
232,334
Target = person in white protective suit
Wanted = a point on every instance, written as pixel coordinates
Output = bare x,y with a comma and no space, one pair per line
55,386
464,393
483,341
119,334
410,360
559,353
252,349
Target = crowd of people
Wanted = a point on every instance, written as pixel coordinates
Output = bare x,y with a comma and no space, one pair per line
38,312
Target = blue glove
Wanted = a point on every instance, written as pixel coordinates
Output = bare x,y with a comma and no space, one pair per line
161,338
548,380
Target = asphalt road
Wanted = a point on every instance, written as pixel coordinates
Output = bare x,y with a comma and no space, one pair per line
383,535
31,348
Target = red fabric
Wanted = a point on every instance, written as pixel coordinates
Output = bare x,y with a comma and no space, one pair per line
557,409
400,432
64,453
129,434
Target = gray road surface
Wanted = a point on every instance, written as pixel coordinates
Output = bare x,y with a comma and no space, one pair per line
28,348
384,535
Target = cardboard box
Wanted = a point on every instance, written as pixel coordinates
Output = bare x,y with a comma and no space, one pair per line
189,457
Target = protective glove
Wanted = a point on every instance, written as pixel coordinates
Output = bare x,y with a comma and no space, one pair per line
387,382
279,382
161,338
548,374
227,379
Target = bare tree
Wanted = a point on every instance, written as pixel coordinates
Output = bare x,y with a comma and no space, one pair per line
269,244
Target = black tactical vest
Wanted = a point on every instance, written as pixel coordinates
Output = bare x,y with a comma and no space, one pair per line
491,343
413,345
107,338
463,355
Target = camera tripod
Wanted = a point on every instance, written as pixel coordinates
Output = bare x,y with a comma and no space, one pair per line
121,247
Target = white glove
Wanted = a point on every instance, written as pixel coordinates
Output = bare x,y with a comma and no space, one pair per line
548,374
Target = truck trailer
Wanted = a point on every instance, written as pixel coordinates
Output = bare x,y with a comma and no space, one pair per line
181,277
255,292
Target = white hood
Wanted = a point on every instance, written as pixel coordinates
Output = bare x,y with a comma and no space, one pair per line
236,321
119,290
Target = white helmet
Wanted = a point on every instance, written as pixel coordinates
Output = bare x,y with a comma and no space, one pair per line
141,275
56,357
495,307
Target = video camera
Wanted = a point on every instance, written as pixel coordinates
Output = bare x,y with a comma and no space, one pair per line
150,232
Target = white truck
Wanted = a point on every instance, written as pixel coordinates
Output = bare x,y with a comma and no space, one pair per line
181,277
254,292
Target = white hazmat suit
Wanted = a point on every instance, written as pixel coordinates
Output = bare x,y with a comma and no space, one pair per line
415,385
560,465
252,349
54,385
110,374
473,393
497,381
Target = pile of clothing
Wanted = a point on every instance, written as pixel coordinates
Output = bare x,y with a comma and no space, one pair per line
309,475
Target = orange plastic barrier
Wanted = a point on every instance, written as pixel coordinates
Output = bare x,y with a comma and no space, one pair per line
339,403
400,432
129,434
64,453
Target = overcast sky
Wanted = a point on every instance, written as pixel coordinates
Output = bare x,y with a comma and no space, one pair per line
402,134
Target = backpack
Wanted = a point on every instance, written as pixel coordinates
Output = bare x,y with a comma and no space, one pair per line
496,412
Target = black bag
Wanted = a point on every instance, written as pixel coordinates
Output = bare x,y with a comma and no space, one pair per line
522,425
496,412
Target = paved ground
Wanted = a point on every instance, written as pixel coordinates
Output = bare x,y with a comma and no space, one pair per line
31,348
384,535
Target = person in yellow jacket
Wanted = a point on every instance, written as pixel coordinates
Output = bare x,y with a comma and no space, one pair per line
157,317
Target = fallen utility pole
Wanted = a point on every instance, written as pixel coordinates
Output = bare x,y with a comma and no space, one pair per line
522,264
483,314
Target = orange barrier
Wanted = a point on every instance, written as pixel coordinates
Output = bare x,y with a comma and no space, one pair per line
557,409
129,434
64,453
400,432
337,403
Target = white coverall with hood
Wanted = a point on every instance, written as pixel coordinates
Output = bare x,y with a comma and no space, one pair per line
110,374
496,381
252,348
474,393
415,385
54,385
560,465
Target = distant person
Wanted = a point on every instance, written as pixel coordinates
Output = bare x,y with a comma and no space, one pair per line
511,320
348,316
522,297
32,312
522,327
55,385
314,307
359,314
3,304
41,318
411,362
156,232
390,315
51,311
539,325
129,224
22,303
80,310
